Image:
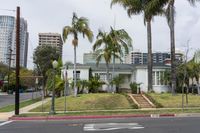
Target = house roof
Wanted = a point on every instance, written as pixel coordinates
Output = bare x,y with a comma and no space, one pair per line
158,66
79,66
118,67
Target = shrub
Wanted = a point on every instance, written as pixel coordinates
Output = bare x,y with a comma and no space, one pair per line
133,87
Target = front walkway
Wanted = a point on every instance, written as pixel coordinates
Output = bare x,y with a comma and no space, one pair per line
5,116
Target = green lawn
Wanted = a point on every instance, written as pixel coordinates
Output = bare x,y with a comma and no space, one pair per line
102,101
10,108
169,101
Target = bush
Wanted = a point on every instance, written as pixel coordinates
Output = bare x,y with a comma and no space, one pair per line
133,87
94,84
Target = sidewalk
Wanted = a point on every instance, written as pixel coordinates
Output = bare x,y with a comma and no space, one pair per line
7,115
3,94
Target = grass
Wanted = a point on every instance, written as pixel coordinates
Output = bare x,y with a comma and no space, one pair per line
10,108
102,101
169,101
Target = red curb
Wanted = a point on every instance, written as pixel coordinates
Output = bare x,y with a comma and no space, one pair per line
82,117
167,115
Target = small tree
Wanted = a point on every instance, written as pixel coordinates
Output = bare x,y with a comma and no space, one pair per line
3,71
43,57
82,84
117,81
94,84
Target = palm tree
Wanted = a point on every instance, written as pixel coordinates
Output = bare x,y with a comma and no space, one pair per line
121,42
170,11
78,26
104,49
149,8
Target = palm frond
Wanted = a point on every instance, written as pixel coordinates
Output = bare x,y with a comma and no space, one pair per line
123,3
98,59
97,44
88,33
66,31
79,25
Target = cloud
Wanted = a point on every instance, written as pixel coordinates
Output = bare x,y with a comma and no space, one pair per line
53,15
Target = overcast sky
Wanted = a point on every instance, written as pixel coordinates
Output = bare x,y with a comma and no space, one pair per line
53,15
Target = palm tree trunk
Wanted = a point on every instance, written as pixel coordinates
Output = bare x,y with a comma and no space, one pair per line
113,72
75,78
149,45
107,77
172,38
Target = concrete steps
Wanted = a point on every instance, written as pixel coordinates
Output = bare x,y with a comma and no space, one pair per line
142,101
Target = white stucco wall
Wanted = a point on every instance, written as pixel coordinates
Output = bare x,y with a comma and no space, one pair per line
127,81
84,74
141,77
161,88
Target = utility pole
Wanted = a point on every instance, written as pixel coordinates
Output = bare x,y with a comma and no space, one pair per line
17,61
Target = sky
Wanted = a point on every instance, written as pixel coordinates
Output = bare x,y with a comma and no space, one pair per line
52,15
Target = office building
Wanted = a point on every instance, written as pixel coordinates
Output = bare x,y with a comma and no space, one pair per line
8,40
90,58
51,39
137,57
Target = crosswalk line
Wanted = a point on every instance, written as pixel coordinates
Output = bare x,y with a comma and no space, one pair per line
4,123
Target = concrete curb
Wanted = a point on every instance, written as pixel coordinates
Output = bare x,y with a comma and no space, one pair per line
88,117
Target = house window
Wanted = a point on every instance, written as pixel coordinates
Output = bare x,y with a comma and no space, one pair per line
77,75
102,76
153,78
162,78
157,78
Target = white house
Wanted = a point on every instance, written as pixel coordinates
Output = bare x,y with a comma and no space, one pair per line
130,73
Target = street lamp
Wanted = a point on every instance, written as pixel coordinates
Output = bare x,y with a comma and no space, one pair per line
54,64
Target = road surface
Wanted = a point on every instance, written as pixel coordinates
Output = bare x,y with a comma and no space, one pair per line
10,99
131,125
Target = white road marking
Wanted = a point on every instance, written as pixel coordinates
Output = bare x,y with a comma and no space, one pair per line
111,126
4,123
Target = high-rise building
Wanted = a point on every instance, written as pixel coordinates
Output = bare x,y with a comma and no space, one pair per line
51,39
90,58
197,56
125,57
137,57
8,40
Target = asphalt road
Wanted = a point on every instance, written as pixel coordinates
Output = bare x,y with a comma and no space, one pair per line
146,125
10,99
